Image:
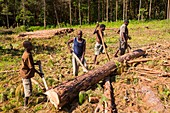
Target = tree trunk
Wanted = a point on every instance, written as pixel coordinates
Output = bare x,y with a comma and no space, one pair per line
23,5
168,10
151,100
56,14
116,8
88,11
150,9
109,106
7,18
111,10
79,13
126,11
107,10
98,10
123,9
70,13
103,10
139,10
67,91
44,14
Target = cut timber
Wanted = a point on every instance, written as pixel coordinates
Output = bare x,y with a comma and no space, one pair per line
67,91
141,60
151,71
131,55
45,33
108,93
93,99
153,102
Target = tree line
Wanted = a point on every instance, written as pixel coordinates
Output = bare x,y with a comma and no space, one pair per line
77,12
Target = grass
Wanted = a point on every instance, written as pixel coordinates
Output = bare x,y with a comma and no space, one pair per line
56,59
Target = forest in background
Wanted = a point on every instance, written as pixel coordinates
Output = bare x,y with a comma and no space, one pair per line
15,13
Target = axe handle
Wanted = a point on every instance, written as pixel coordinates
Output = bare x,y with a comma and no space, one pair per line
43,79
100,33
75,56
97,25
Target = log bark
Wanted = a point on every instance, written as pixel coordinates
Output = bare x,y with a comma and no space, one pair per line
108,92
67,91
141,60
45,33
93,99
153,102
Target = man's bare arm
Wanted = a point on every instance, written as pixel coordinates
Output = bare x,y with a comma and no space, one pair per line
68,44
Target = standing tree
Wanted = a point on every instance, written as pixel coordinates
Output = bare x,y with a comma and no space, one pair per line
168,10
23,10
56,14
79,12
70,13
88,11
98,10
111,10
126,10
139,10
107,10
44,14
116,8
150,9
5,11
123,9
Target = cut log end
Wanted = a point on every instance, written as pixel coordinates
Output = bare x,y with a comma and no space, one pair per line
54,98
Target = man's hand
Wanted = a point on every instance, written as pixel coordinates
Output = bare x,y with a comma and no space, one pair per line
118,31
129,37
41,75
38,62
82,59
71,50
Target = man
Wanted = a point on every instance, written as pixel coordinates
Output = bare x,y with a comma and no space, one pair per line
79,47
28,70
123,31
98,46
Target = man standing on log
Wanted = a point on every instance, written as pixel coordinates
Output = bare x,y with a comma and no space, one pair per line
28,70
123,31
79,47
98,46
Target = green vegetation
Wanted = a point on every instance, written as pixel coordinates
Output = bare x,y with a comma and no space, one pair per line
56,61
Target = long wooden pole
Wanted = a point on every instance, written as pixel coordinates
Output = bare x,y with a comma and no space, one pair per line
75,56
43,79
100,33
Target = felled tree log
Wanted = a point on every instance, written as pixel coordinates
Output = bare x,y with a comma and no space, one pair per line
45,33
67,91
152,101
109,106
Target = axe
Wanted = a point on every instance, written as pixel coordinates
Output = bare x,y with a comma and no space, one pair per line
75,56
43,79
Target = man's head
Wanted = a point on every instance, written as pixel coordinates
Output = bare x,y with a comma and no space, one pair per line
126,22
27,45
79,34
102,27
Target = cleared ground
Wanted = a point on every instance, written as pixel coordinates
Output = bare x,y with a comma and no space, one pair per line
133,82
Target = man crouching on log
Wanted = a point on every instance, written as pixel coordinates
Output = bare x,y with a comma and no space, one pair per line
79,47
28,70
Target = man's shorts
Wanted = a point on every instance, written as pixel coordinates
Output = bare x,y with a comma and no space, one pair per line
27,87
122,46
98,48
